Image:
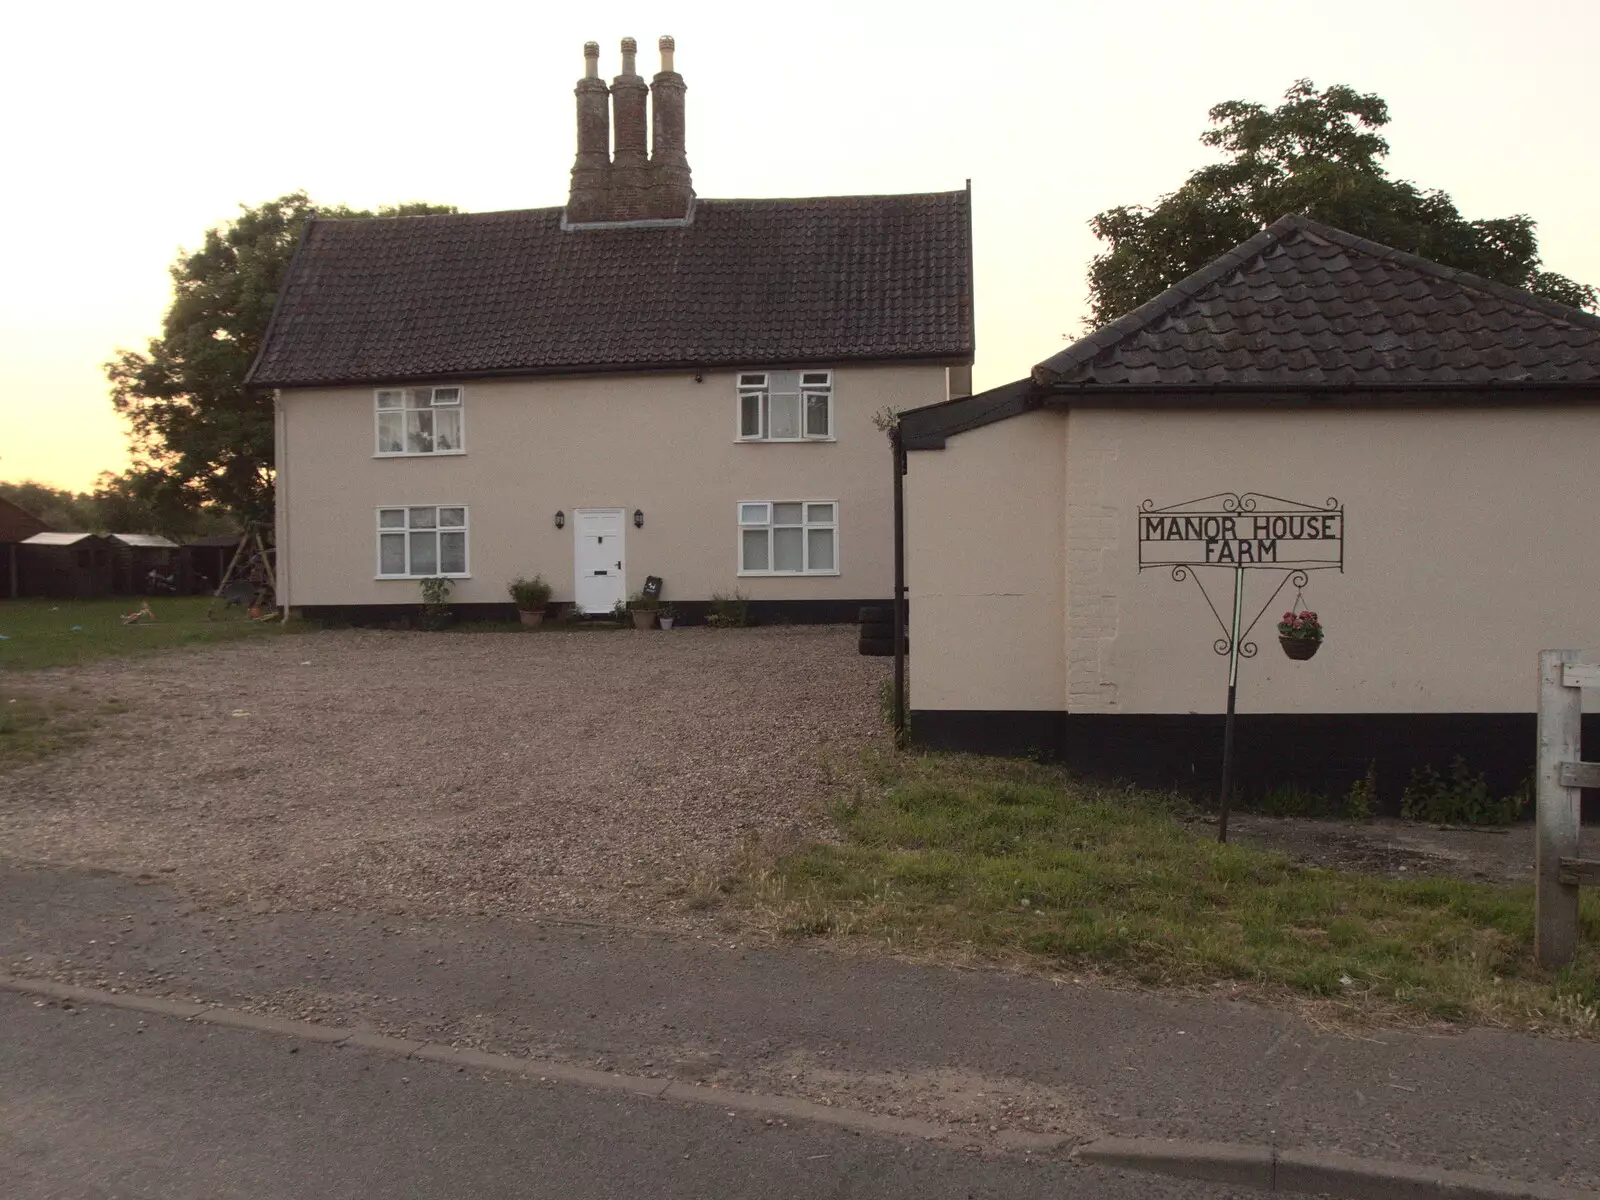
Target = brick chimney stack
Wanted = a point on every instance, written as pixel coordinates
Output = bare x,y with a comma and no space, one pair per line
630,164
670,187
590,198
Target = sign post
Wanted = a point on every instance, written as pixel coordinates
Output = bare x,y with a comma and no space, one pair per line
1239,532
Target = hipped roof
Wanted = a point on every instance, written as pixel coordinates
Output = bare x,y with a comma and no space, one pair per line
1302,304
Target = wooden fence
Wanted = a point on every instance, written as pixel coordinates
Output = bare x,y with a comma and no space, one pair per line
1560,869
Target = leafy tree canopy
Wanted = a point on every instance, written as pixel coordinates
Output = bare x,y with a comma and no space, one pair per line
1318,153
119,504
201,437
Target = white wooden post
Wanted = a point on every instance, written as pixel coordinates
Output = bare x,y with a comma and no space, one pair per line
1557,809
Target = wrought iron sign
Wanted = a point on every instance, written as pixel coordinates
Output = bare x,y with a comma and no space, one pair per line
1239,532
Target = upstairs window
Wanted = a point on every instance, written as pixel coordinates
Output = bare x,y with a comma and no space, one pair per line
788,537
786,406
423,420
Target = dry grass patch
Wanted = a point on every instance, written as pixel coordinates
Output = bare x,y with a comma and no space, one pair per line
33,726
1005,859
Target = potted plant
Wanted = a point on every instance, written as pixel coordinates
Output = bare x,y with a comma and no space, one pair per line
1300,634
530,597
667,616
644,609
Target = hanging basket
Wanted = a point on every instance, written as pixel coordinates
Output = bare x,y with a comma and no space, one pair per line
1299,649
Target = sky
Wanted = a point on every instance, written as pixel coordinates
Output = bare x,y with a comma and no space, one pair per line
129,129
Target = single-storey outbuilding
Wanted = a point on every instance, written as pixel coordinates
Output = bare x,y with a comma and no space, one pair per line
65,566
1073,540
142,563
17,525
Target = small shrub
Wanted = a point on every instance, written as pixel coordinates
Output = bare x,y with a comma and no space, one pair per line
639,602
729,612
436,602
1361,800
530,595
1461,799
619,612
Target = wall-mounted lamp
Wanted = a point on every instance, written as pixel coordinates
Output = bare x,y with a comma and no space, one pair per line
699,376
561,519
638,518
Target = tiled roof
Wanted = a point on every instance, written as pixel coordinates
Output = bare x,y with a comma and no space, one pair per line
1302,305
745,282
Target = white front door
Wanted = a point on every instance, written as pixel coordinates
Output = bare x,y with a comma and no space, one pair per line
601,580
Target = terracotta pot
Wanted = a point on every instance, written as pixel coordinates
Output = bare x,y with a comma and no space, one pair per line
531,619
644,618
1299,649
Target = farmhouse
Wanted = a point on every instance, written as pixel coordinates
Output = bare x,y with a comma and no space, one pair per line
1312,422
640,383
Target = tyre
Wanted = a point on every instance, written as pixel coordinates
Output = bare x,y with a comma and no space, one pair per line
876,613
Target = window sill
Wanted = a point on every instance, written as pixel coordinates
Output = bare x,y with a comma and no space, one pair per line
415,578
419,453
781,441
788,574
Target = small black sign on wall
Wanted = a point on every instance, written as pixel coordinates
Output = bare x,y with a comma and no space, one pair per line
652,587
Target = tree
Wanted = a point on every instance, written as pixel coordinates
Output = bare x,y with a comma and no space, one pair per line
123,503
1317,153
201,437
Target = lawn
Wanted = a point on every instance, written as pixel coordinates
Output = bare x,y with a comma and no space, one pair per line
65,633
955,856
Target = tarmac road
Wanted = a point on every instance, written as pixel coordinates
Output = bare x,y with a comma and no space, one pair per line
103,1104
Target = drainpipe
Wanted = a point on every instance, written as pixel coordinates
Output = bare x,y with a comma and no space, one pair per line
899,452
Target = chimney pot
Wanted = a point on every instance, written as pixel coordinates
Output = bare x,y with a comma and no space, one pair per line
630,160
671,190
590,197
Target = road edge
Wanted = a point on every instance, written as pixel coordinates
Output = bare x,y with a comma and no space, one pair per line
1266,1168
763,1104
1315,1172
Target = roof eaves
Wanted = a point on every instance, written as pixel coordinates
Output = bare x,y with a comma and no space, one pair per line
955,355
928,427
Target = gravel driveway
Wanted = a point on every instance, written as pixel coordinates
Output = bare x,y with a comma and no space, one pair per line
577,773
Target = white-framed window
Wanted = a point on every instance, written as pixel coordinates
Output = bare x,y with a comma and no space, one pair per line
419,540
420,420
785,406
788,537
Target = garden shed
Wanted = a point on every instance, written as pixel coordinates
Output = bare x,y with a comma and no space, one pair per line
206,559
138,557
65,566
1325,424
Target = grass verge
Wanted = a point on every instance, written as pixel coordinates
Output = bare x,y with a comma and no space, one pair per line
66,633
1008,860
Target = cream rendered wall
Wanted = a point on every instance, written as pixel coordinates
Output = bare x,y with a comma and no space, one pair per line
1472,543
657,442
985,531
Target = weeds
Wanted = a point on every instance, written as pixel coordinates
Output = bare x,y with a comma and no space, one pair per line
1461,799
729,612
1004,859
